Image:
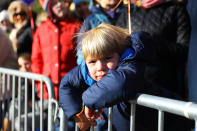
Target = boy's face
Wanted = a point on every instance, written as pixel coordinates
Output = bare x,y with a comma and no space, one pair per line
107,4
98,68
24,65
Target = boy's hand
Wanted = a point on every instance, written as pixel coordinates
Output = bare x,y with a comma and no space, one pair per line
83,123
92,114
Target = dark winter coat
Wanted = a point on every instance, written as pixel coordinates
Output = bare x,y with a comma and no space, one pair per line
115,89
169,25
24,39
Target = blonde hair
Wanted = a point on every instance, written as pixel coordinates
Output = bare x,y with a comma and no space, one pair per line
103,40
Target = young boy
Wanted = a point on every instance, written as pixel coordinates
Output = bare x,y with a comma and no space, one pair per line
110,75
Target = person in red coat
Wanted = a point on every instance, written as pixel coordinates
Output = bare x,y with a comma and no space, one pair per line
53,49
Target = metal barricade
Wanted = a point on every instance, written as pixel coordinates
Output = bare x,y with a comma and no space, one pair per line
181,108
177,107
10,87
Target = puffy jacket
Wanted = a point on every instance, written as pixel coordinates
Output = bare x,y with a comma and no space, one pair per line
169,25
114,89
53,52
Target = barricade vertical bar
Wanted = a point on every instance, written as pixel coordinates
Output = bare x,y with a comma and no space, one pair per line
110,118
41,107
13,102
92,128
76,127
1,96
63,121
19,102
33,105
132,116
26,99
3,100
32,76
51,124
160,120
8,91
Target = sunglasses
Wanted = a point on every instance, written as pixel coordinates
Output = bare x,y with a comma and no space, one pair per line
20,13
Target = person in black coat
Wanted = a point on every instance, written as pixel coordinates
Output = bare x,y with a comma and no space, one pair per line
169,25
21,35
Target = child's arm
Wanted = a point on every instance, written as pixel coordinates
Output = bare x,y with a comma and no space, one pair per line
70,92
118,85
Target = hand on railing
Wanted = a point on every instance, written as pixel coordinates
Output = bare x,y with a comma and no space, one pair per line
93,114
82,122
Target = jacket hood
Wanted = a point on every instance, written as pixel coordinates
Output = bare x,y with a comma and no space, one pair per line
143,45
17,7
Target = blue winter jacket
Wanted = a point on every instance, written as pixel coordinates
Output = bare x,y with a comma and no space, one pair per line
114,89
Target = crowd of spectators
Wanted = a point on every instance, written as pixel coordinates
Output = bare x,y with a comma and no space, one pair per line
49,39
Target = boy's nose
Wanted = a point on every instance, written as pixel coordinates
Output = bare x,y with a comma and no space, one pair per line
100,65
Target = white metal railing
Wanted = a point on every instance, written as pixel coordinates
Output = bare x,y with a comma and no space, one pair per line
10,85
181,108
9,78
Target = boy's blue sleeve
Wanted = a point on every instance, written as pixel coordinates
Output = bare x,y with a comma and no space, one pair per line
70,93
118,85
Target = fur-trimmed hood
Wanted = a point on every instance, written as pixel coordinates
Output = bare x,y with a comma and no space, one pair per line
17,7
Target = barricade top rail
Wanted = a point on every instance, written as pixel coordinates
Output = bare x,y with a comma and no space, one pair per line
30,75
182,108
